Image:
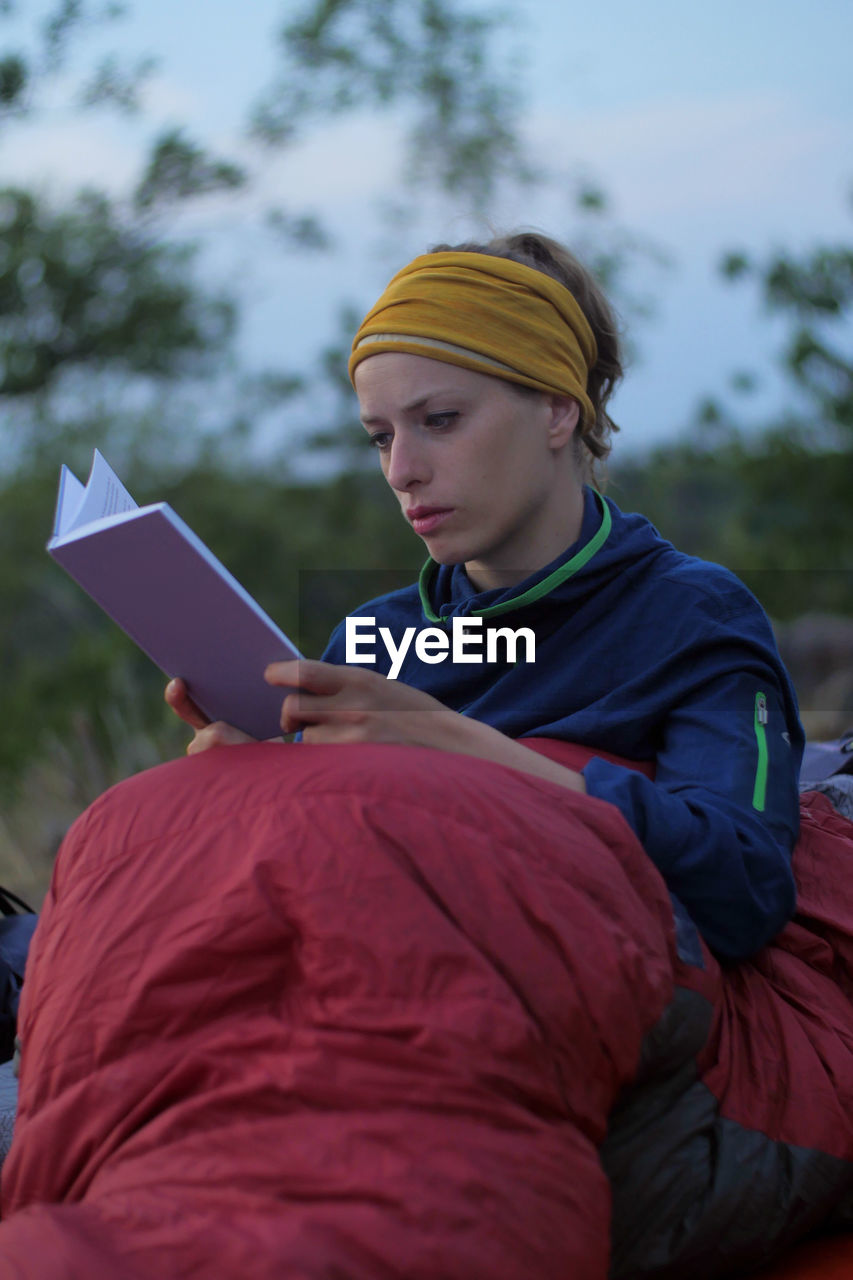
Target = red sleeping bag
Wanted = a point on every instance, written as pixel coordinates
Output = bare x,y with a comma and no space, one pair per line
367,1012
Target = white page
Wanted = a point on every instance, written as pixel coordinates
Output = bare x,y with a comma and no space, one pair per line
68,501
104,495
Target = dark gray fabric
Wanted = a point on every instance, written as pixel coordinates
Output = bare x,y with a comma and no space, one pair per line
695,1194
677,1037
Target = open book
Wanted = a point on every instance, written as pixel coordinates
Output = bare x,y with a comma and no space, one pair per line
159,582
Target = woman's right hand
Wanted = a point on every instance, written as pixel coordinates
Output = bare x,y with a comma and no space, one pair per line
206,733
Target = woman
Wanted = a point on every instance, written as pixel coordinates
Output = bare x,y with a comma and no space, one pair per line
337,1008
483,377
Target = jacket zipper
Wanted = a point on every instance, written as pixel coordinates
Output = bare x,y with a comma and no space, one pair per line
759,791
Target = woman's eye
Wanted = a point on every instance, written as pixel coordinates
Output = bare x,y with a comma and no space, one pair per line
379,440
440,420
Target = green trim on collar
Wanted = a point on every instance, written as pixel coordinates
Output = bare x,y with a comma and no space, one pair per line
533,593
424,579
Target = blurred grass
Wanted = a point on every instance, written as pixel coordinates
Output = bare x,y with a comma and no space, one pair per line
68,774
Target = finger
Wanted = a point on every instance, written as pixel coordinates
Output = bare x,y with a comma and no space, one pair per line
218,734
312,676
182,704
327,734
298,710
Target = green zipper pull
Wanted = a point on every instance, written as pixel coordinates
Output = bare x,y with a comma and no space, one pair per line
759,792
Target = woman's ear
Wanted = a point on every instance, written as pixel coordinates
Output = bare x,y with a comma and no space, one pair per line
565,416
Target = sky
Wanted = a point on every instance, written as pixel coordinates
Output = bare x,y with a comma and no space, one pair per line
709,127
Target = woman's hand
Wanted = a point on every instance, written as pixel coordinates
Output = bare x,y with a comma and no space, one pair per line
207,733
349,704
337,704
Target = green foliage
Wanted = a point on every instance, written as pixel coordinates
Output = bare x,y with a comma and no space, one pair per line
591,199
771,509
179,169
59,26
303,231
773,505
14,77
819,282
814,292
80,288
117,86
432,56
57,31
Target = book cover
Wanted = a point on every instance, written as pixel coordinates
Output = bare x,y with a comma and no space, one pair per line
147,569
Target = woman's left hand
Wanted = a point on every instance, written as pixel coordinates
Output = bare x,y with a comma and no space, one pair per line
336,704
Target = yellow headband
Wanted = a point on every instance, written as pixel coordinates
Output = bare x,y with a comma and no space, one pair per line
489,314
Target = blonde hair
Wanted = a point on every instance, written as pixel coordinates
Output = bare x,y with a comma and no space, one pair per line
554,259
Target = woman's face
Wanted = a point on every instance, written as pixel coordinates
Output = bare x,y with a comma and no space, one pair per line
484,472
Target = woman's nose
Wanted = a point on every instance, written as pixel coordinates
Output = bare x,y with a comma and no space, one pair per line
407,463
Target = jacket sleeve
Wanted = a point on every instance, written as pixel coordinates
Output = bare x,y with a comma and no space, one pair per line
721,816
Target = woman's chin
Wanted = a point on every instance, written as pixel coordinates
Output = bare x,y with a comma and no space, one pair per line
444,550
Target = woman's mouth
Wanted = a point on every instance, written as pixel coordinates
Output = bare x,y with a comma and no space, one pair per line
426,519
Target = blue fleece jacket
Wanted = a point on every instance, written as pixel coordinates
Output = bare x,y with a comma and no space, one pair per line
649,654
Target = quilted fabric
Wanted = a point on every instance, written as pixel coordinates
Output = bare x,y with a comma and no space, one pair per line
377,1012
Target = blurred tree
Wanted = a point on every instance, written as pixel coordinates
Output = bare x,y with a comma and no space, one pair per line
814,292
95,311
79,287
773,503
108,336
444,63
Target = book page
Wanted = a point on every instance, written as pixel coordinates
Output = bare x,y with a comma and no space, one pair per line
104,495
68,501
